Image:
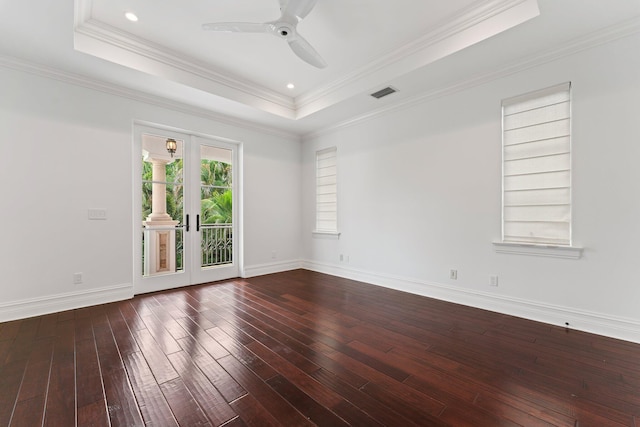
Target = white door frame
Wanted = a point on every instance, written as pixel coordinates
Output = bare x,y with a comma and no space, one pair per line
190,274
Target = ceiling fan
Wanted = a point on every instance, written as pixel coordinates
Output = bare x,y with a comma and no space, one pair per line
293,11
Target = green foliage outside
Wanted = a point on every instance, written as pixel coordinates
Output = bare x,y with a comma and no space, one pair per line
216,196
216,205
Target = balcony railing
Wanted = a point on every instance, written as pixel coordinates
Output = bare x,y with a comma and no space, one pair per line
216,245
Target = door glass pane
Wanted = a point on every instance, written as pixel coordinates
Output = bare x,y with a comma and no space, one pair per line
216,206
162,207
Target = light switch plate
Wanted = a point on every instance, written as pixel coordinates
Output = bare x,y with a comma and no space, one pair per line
98,213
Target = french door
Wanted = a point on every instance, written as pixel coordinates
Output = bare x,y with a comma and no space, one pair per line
185,213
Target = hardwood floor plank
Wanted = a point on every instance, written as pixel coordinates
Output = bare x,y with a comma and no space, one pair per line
220,378
315,412
60,409
278,407
175,307
147,309
165,315
30,402
121,403
513,408
10,381
156,358
153,406
10,330
381,366
82,324
209,399
184,406
22,344
196,334
28,329
230,339
131,317
253,413
373,408
36,377
5,348
411,403
47,326
281,348
91,403
28,412
236,422
297,377
126,342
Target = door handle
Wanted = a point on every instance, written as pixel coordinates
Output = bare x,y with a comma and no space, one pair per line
187,223
197,222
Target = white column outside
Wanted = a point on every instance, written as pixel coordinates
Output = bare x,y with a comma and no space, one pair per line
160,232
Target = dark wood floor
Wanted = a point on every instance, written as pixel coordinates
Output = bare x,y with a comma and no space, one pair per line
302,348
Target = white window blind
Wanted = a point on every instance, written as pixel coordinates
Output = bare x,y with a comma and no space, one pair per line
536,199
326,190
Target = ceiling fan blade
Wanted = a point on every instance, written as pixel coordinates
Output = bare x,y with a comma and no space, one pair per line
238,27
305,51
298,9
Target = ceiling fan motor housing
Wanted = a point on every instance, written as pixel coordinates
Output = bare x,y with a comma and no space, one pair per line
284,31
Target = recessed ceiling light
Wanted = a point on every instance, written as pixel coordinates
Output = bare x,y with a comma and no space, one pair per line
131,16
291,86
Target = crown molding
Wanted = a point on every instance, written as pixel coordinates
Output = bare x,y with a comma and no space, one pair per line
592,40
138,46
81,12
455,25
135,95
102,40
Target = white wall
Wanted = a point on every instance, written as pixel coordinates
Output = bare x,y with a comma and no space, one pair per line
67,148
420,190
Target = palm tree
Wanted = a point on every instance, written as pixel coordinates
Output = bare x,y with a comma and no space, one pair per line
217,209
216,196
214,174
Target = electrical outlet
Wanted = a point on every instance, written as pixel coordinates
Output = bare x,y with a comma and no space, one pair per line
453,275
274,255
493,280
77,278
341,257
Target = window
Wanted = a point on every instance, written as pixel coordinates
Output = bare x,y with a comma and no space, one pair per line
326,191
536,177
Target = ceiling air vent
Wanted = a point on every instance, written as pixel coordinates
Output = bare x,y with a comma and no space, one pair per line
383,92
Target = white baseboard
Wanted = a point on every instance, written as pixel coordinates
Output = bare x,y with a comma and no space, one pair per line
68,301
270,268
596,323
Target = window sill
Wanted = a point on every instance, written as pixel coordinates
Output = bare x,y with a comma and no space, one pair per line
568,252
326,234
